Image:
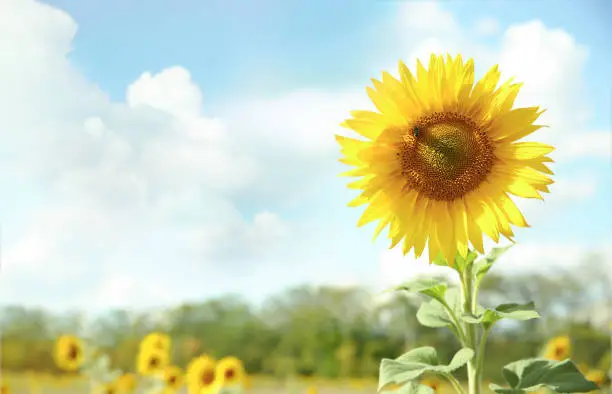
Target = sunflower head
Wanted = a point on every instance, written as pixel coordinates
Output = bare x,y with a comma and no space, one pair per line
200,374
558,348
312,390
156,340
173,377
597,376
437,162
152,361
230,372
126,383
68,353
5,388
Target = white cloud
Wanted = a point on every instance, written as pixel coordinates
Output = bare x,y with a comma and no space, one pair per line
487,26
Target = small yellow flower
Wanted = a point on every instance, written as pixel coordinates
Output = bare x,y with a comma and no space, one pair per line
597,376
230,372
152,361
69,353
558,348
5,388
126,384
173,378
156,340
108,388
312,390
200,375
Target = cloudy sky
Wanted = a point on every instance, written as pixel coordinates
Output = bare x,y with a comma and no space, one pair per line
155,151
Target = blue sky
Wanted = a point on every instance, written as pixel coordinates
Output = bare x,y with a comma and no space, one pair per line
183,150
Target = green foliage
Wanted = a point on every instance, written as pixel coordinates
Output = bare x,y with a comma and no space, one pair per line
483,266
416,362
533,374
442,313
430,287
488,317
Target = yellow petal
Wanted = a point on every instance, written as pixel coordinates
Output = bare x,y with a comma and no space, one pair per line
523,150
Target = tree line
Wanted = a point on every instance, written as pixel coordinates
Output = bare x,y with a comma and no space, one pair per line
326,331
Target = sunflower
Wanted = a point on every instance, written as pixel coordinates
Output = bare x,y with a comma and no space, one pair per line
107,388
434,384
152,361
200,375
156,340
69,353
596,376
173,378
558,348
438,161
5,388
230,372
126,383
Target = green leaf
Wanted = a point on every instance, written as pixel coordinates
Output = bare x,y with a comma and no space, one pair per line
513,311
459,264
428,286
413,364
434,314
411,388
533,374
482,266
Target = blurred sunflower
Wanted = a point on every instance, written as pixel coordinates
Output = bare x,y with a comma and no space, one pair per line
5,388
434,384
126,383
200,375
173,379
437,162
597,376
558,348
152,361
156,340
107,388
230,372
69,353
312,390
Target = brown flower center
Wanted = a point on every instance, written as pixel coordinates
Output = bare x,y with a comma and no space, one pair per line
207,377
444,156
229,373
559,351
172,379
73,352
153,362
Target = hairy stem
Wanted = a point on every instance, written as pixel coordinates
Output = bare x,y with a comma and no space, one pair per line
469,306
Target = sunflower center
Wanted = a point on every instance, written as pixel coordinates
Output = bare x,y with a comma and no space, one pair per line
229,373
445,156
207,377
153,362
73,352
559,351
172,379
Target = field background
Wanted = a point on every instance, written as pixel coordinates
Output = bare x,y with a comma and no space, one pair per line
327,337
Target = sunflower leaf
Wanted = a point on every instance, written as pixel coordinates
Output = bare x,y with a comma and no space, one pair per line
536,373
430,287
413,364
488,317
481,267
435,314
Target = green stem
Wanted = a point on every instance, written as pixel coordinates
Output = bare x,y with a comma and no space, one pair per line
469,306
455,383
453,316
481,351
